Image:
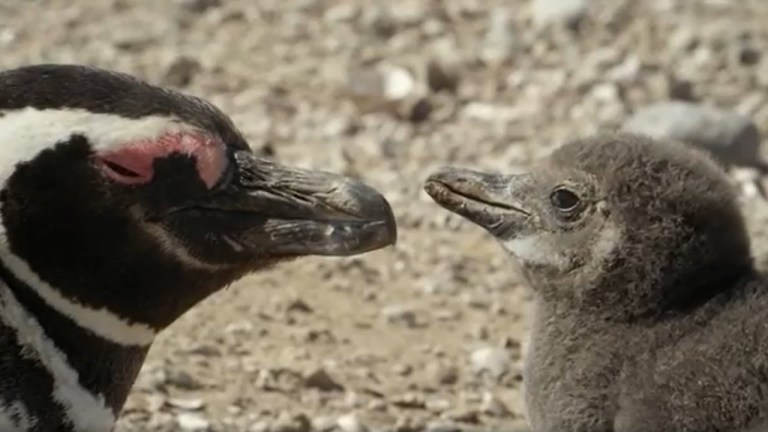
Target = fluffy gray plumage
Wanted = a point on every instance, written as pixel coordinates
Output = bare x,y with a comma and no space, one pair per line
649,315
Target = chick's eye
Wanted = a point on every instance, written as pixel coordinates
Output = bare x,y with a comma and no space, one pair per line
564,200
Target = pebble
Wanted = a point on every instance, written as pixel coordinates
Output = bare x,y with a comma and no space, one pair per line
437,405
183,379
568,12
377,405
729,136
340,12
442,76
494,406
448,315
399,314
379,87
192,422
402,369
465,416
181,71
287,422
350,423
498,44
321,380
198,6
260,426
298,305
480,332
443,374
409,400
186,404
442,426
323,424
379,19
491,360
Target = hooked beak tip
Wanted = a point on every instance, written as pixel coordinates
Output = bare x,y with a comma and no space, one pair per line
367,203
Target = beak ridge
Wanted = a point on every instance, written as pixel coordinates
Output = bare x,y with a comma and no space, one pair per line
326,213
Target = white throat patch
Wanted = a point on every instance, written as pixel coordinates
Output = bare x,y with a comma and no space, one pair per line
87,412
544,249
24,134
537,249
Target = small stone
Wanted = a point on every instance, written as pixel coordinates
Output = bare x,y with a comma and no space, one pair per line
321,380
155,401
380,21
562,12
260,426
377,405
323,424
437,405
494,406
627,72
287,422
442,426
350,423
379,88
476,302
402,369
490,112
498,44
340,12
465,416
299,305
198,6
729,136
240,327
192,422
491,360
205,350
749,56
481,332
186,404
182,379
420,110
409,400
443,374
408,424
152,379
399,314
447,315
680,89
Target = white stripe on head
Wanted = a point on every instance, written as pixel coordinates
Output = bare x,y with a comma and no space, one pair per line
14,417
24,134
86,411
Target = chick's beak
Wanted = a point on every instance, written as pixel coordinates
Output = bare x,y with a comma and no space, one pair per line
491,201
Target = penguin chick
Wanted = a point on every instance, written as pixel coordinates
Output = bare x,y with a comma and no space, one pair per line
648,312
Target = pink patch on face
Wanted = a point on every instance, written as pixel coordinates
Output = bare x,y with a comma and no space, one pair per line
132,163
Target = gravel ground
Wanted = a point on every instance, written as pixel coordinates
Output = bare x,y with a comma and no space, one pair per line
427,335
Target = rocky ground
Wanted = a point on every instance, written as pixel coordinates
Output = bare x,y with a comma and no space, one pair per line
427,335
